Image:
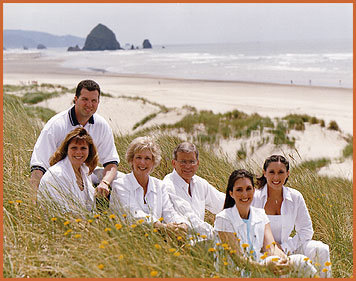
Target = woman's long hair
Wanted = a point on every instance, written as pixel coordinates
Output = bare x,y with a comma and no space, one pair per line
235,175
77,135
261,181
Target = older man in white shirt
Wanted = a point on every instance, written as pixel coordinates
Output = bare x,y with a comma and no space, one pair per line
191,194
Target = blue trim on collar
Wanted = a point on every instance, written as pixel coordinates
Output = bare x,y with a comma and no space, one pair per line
73,119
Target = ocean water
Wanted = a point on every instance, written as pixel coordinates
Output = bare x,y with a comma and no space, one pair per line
316,63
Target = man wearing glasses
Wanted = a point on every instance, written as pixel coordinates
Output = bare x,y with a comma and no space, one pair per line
189,193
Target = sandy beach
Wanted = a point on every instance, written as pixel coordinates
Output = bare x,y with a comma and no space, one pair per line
270,100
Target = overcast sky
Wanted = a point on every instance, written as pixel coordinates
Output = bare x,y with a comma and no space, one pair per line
186,23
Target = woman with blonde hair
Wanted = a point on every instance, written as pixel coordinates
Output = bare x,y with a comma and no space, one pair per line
142,196
67,183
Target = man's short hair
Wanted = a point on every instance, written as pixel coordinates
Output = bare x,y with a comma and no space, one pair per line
185,147
90,85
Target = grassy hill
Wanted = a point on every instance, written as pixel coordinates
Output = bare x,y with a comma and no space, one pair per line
103,245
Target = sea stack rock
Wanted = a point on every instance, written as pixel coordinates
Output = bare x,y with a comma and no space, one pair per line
101,38
73,49
41,46
146,44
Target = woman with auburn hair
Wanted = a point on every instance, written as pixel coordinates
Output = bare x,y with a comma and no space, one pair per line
286,210
247,230
67,183
142,196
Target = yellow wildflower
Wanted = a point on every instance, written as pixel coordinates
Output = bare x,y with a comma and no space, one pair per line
252,251
226,263
146,234
160,219
96,216
78,220
233,252
324,270
107,229
121,257
275,259
90,221
268,246
112,216
218,244
154,273
191,238
124,215
274,243
216,276
53,219
101,266
198,234
203,236
104,242
11,202
66,222
118,226
306,259
179,238
211,250
224,245
157,246
235,234
172,250
105,213
18,201
177,254
317,264
140,221
327,263
244,245
147,217
263,257
77,236
316,276
155,230
133,225
101,246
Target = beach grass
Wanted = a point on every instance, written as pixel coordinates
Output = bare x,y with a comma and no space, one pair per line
36,244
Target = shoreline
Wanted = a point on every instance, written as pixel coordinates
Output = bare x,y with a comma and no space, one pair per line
266,99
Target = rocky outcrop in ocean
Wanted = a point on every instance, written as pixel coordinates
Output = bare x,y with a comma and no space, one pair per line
41,46
101,38
74,49
146,44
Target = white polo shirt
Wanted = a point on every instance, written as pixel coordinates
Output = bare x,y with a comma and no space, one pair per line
204,196
57,128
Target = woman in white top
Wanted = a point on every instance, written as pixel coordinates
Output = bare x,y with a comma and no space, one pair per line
142,196
66,185
286,210
247,229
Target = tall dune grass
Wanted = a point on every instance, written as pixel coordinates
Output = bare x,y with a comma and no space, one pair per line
103,245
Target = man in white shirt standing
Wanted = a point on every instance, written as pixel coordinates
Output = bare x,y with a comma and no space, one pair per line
82,114
189,193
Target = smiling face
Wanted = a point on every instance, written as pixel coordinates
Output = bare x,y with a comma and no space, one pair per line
276,175
142,163
242,192
186,165
86,104
78,151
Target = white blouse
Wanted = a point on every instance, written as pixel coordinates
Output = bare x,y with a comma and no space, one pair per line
59,186
127,197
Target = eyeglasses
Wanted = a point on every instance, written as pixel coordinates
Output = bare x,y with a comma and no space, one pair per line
187,162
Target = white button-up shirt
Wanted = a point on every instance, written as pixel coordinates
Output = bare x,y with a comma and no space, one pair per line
127,196
57,128
229,220
294,214
59,186
203,196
